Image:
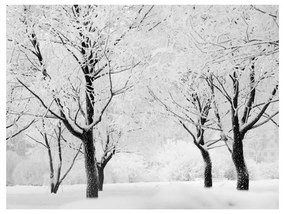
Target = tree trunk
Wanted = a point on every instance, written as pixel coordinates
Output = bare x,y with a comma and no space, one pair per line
208,168
241,169
51,176
90,165
237,151
55,188
101,177
89,148
52,187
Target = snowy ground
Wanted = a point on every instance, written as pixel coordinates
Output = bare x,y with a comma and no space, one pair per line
262,194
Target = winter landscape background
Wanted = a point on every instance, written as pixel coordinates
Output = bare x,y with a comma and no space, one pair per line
142,106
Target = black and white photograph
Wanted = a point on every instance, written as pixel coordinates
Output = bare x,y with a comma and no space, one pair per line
141,106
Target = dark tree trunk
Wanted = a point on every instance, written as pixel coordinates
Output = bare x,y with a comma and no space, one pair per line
237,151
205,154
241,169
52,187
206,158
90,165
101,177
208,168
55,187
87,138
51,176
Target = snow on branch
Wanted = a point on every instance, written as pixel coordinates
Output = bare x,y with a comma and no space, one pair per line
21,130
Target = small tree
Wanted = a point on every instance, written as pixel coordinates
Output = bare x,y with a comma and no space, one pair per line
110,132
109,149
56,178
193,110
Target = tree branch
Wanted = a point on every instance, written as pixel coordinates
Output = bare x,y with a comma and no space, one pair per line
251,98
265,121
37,141
66,122
70,167
250,124
23,129
95,122
193,136
41,101
269,14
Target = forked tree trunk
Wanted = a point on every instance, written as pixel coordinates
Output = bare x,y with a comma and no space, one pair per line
55,188
101,177
90,165
241,169
237,151
207,168
205,155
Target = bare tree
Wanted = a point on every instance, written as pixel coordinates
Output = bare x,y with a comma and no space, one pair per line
109,149
56,178
111,137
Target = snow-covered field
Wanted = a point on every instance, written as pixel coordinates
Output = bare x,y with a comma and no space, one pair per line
262,194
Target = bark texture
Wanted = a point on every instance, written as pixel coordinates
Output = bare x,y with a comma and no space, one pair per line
101,178
90,165
237,153
239,162
207,168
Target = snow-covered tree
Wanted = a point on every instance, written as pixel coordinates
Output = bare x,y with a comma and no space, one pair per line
82,57
245,74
